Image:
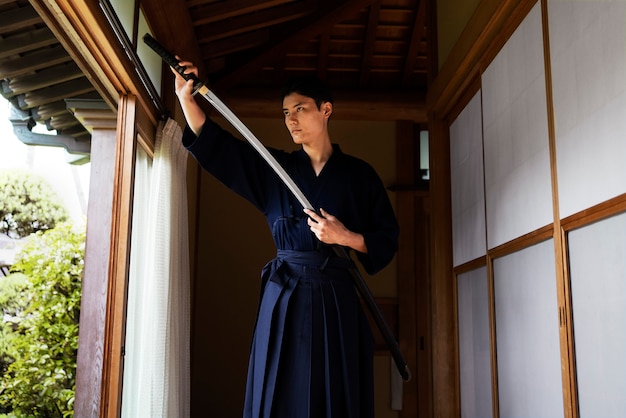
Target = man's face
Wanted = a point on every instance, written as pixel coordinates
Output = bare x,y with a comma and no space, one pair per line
303,119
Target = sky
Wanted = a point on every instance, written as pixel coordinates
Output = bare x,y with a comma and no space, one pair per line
70,182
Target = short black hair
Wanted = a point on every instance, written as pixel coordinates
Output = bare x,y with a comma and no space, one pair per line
309,86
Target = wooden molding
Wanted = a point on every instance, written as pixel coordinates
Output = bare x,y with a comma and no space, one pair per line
119,258
349,105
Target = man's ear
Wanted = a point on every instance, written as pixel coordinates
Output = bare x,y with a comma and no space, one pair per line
327,107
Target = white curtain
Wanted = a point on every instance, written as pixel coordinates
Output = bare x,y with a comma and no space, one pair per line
157,350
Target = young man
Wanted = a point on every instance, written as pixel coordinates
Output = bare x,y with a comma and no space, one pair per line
312,350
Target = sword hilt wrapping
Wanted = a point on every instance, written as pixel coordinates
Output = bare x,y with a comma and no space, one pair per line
171,60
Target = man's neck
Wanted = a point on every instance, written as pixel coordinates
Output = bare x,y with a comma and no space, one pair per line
319,155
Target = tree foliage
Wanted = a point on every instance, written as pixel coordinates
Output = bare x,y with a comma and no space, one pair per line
27,204
12,303
40,381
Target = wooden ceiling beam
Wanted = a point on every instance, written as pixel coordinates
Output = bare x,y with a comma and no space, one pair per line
234,44
321,22
215,12
419,32
253,21
92,114
370,39
15,19
55,93
46,77
74,131
34,61
64,121
49,110
322,55
27,41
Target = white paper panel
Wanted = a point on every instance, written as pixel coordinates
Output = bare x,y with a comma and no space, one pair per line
598,280
588,56
474,344
517,166
468,193
527,334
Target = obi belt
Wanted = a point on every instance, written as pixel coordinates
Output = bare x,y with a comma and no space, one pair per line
312,349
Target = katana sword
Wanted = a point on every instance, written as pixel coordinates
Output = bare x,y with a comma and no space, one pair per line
359,282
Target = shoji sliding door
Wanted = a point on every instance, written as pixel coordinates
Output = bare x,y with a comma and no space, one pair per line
598,283
538,198
474,343
588,57
527,333
588,64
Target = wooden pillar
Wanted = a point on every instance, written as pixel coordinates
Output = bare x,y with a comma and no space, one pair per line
405,209
95,278
446,400
412,207
107,249
446,397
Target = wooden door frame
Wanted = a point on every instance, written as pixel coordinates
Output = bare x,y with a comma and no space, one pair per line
413,272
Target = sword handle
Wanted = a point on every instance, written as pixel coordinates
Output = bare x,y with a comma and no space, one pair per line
171,60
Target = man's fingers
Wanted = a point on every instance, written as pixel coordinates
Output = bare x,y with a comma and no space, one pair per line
325,214
313,215
317,216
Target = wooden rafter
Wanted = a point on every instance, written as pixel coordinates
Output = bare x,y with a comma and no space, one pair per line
55,93
321,22
27,41
224,10
417,35
370,39
15,19
322,62
47,77
250,22
234,44
32,62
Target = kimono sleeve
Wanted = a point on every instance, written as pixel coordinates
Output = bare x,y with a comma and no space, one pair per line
231,161
381,229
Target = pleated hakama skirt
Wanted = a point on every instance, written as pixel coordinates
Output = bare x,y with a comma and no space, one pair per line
312,350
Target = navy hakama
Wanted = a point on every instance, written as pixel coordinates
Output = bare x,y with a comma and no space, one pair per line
312,349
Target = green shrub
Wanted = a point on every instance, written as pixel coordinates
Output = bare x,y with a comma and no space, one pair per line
41,379
12,303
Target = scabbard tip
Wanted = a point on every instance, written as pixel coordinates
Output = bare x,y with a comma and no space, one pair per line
406,375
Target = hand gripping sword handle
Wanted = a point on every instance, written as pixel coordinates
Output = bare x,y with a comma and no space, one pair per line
171,60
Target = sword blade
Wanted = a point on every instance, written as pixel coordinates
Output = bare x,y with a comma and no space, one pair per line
260,148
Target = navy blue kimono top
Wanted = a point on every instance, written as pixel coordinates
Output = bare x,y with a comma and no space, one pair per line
312,348
347,188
